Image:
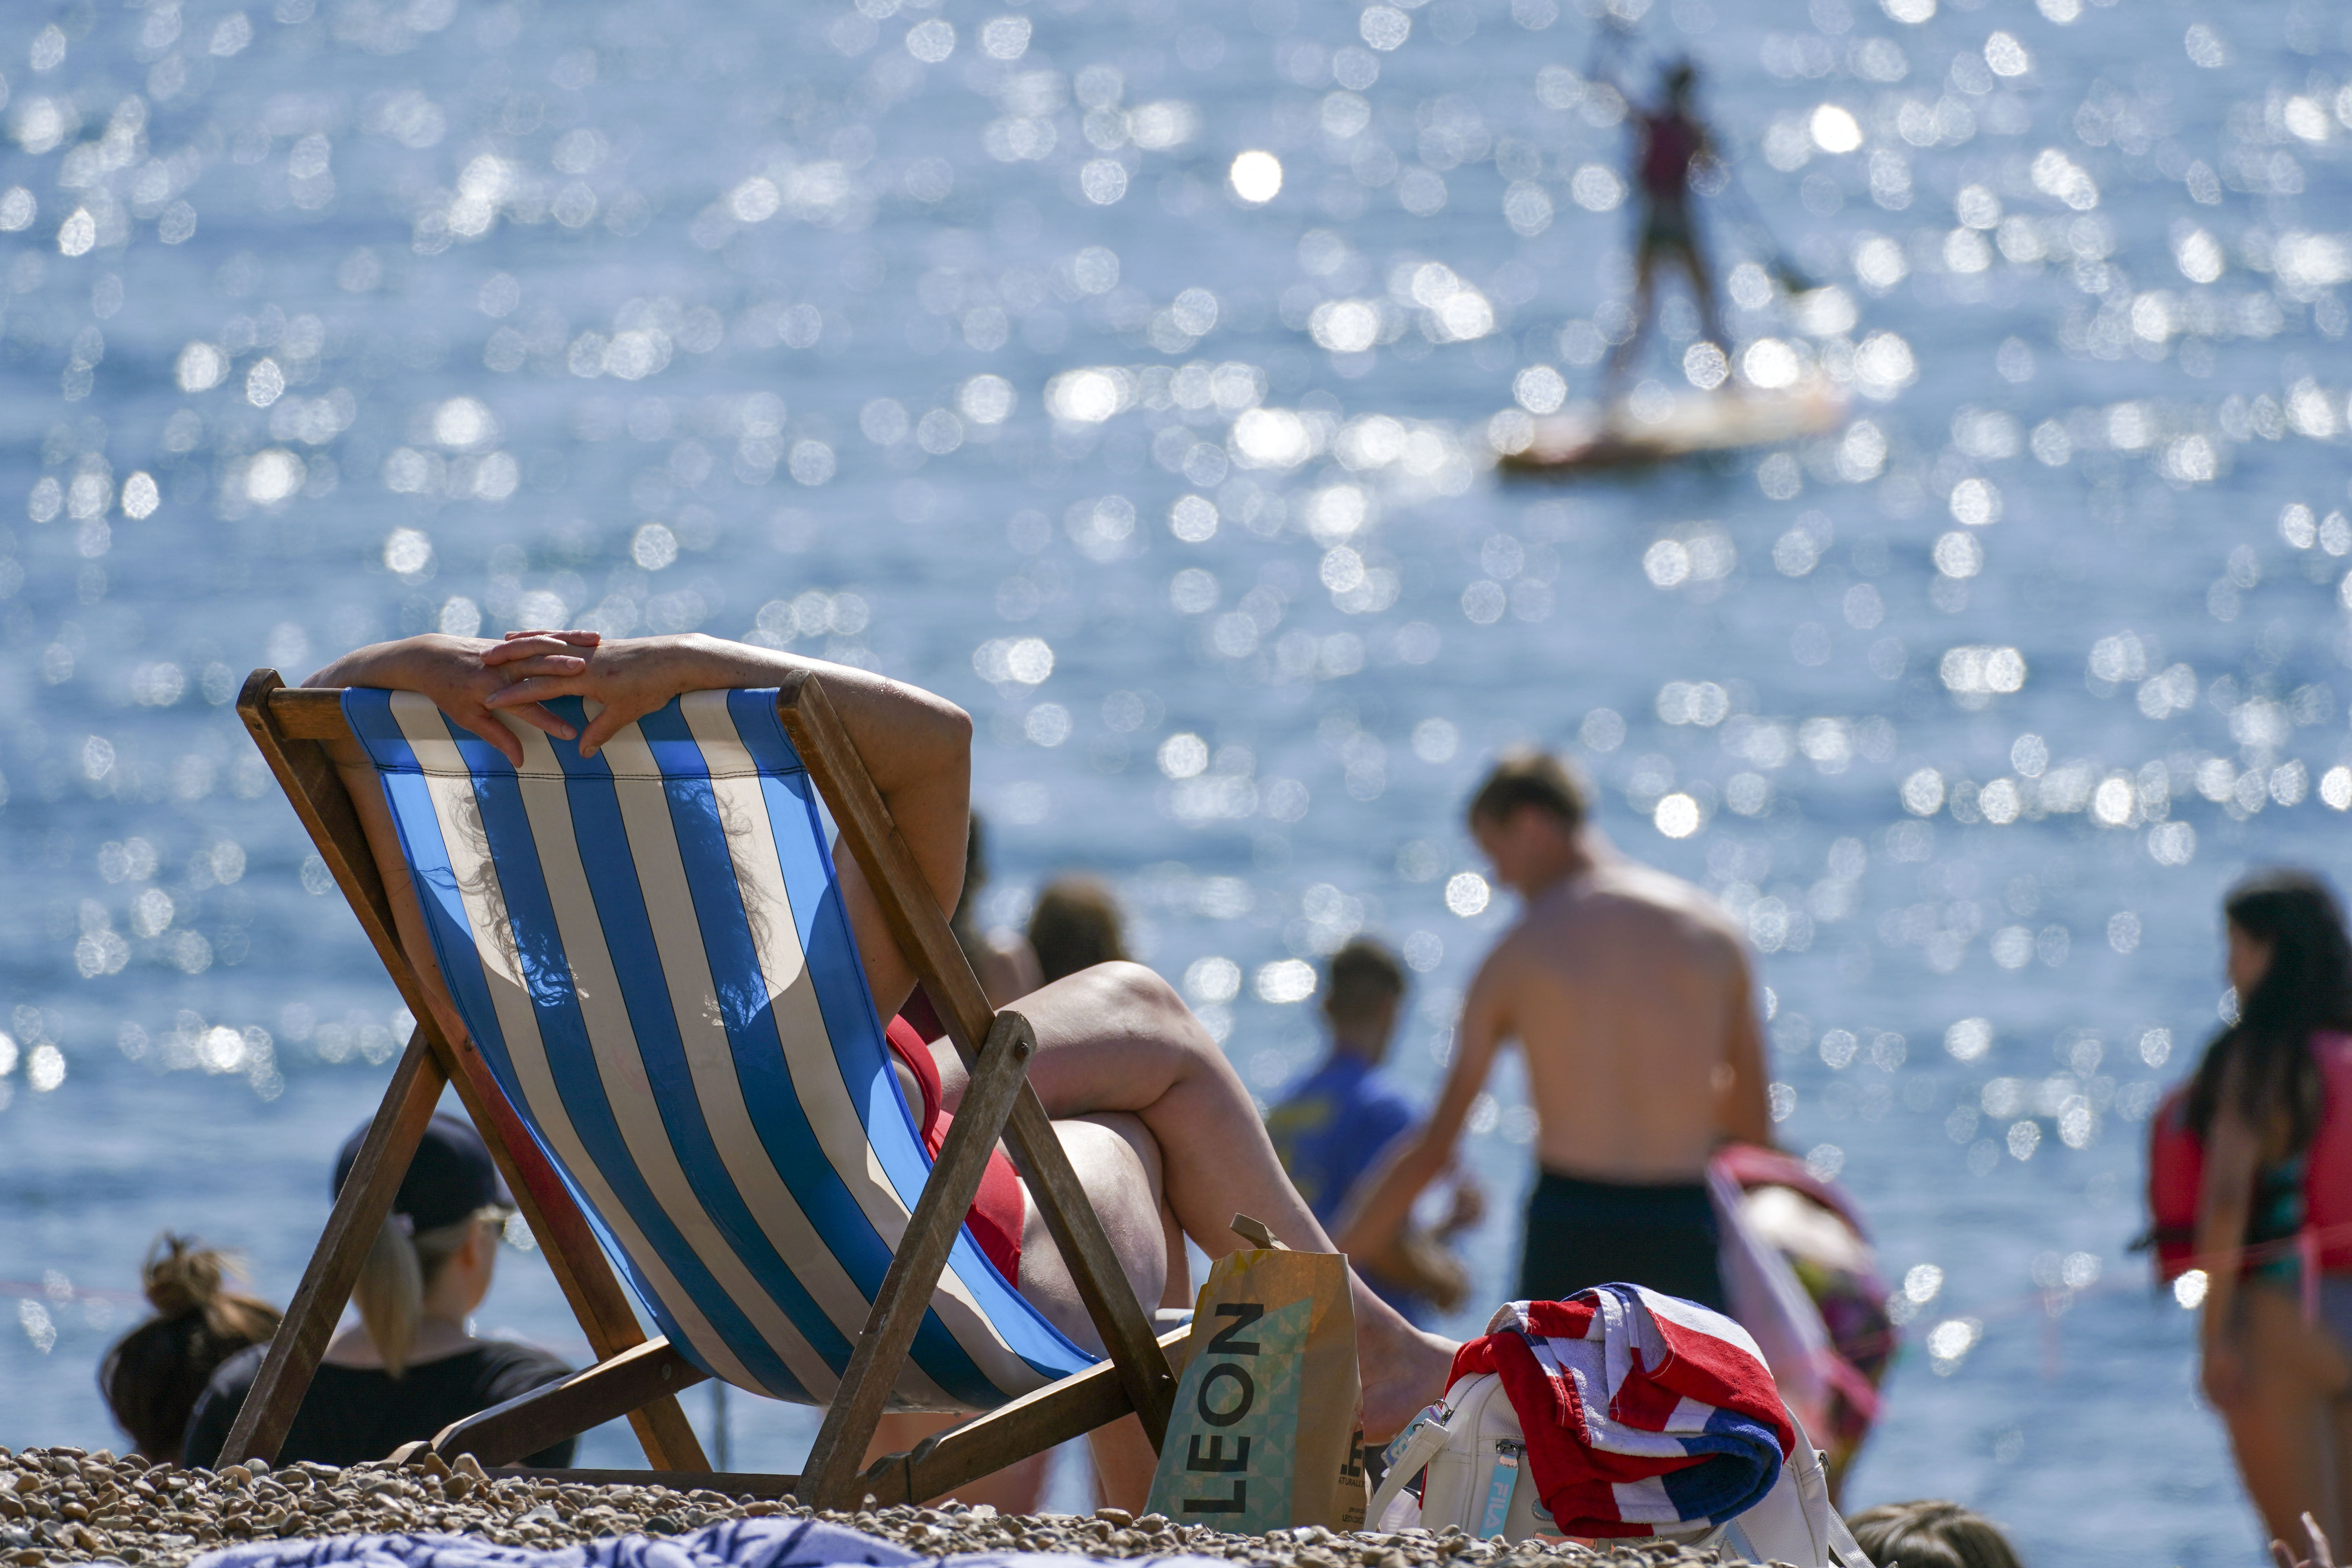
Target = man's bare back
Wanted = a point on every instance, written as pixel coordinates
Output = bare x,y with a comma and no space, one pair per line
1628,992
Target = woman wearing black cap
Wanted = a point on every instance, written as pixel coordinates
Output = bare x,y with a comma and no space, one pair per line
409,1367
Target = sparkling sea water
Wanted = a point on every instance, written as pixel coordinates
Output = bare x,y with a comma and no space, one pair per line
1133,374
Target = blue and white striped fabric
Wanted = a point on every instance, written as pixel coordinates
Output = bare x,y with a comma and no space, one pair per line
649,948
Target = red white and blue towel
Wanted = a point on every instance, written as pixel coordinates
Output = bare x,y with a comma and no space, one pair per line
1643,1413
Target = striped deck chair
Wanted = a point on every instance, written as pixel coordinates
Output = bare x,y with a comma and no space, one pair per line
655,1011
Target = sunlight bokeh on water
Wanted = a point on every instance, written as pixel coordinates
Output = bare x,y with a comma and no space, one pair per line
1134,374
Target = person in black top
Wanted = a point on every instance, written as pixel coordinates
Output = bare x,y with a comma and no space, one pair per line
409,1367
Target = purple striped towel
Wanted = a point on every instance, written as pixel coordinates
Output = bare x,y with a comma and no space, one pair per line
773,1542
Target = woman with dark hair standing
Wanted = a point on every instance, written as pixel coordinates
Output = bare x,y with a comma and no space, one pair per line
2277,1341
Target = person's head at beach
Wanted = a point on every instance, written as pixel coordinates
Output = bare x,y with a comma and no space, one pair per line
1362,994
438,1248
1681,83
1076,925
1528,816
2291,965
152,1377
1931,1533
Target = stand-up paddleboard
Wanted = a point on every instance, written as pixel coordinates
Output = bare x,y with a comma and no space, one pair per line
1591,438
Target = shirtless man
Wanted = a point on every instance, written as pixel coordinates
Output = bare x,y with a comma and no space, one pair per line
1157,1123
1628,991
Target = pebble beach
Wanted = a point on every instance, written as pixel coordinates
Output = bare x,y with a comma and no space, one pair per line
62,1505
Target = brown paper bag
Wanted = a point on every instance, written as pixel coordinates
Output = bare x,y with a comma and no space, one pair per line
1269,1429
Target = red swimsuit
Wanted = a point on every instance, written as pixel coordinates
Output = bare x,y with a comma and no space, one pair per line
996,1211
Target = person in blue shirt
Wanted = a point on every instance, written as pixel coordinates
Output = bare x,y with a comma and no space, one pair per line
1343,1120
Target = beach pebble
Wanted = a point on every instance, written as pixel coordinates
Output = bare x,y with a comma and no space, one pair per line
61,1506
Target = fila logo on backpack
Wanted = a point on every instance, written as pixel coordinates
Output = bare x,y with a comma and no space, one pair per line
1467,1459
1462,1462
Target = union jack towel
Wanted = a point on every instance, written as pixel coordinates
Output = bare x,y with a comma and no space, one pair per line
1642,1413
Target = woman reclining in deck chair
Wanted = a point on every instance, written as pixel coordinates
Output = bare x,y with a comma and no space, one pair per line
1157,1124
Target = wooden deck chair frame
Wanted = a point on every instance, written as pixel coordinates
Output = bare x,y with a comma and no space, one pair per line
640,1377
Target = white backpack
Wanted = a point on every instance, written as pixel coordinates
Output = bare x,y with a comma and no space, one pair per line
1475,1452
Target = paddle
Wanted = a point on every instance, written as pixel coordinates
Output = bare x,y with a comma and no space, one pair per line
1776,260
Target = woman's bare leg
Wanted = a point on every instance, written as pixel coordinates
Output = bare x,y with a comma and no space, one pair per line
1119,1163
1118,1038
2337,1518
2282,1430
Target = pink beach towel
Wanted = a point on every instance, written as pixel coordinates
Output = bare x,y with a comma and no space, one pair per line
1642,1413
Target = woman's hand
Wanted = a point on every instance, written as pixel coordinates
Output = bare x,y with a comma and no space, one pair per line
574,638
915,747
463,675
2322,1555
1469,1207
622,680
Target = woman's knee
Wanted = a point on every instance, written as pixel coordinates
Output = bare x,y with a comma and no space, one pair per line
1117,1037
1144,1006
1131,992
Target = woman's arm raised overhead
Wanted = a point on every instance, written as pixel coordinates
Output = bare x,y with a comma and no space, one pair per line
917,746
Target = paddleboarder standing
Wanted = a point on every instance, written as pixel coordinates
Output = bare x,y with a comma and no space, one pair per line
1671,137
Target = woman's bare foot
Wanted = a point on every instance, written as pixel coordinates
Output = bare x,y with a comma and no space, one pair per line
1404,1370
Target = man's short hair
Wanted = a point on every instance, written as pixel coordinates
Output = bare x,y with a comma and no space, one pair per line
1364,974
1528,778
